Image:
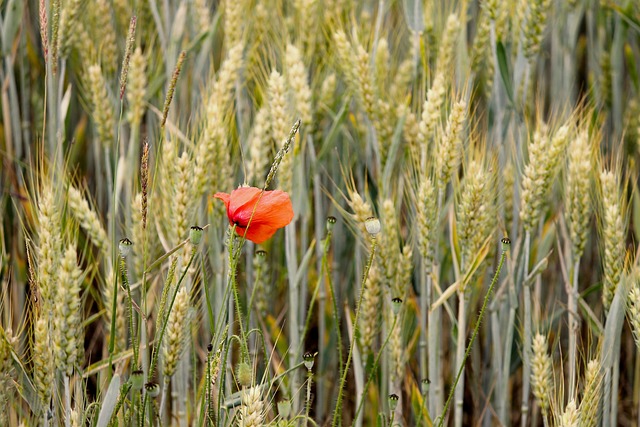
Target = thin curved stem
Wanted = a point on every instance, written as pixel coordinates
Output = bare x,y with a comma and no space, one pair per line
473,337
343,380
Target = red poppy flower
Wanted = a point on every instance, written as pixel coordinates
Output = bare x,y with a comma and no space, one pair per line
272,211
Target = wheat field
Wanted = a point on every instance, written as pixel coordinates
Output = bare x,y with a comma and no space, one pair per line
320,213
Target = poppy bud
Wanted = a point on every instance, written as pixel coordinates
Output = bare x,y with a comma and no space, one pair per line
195,235
396,303
372,225
152,389
331,221
393,401
308,358
506,242
424,386
137,378
124,246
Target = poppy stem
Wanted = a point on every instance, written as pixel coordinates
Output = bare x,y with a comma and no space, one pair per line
343,380
473,337
233,264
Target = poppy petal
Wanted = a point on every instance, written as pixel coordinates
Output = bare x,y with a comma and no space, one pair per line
274,209
257,233
224,197
243,199
267,210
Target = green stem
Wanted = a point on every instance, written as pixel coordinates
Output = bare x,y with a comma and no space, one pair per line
156,349
308,403
132,327
343,380
473,337
374,368
233,265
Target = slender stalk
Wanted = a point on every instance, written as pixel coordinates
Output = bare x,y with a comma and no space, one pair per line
374,368
574,326
233,265
615,380
434,328
425,301
526,351
322,296
67,402
163,399
307,409
131,313
294,322
475,331
462,337
158,344
336,313
343,380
